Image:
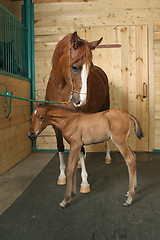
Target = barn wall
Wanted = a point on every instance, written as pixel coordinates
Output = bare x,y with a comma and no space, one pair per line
14,142
54,20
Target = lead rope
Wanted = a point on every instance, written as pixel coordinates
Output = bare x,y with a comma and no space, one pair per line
10,94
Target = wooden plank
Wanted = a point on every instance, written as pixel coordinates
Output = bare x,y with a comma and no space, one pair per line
12,160
61,1
14,142
131,73
156,36
48,143
157,27
45,46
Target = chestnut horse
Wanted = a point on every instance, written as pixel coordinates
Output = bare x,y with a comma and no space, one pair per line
81,129
75,81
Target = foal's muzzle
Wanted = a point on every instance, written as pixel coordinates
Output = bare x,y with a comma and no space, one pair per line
32,135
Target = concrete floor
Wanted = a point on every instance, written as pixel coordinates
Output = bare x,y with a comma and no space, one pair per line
98,215
17,179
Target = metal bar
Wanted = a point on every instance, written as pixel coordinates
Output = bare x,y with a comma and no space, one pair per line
12,44
5,10
28,24
109,46
27,99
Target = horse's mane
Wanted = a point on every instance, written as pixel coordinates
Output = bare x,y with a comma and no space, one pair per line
60,46
82,51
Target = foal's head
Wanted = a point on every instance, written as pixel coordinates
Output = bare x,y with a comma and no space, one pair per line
39,121
80,63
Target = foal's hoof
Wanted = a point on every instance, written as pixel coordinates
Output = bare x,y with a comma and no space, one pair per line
63,204
85,188
126,204
108,160
61,181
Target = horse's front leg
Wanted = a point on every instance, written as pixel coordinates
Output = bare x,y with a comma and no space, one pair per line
85,187
60,147
108,157
71,174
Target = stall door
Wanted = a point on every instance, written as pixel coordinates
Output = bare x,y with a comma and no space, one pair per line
123,55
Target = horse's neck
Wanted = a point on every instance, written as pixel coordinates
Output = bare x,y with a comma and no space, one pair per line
60,61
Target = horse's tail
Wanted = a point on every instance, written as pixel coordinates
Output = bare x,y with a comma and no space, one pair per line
137,126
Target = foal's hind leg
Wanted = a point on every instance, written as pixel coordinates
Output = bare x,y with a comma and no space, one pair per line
130,160
108,157
131,164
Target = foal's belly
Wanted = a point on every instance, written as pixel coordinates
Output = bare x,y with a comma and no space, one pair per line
95,131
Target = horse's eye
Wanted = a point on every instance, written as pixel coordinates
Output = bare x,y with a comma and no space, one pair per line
75,68
41,118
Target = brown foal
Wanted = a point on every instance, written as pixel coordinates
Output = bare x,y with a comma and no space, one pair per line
87,128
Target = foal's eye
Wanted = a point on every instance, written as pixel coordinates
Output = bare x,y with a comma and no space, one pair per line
41,118
75,68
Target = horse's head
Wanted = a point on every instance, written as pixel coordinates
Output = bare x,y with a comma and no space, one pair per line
80,61
39,121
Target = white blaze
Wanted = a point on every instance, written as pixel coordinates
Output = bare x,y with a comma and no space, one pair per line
84,75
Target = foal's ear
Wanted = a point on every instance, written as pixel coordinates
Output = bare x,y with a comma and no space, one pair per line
35,104
75,40
94,44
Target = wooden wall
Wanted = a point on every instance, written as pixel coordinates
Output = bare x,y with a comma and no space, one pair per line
14,142
54,20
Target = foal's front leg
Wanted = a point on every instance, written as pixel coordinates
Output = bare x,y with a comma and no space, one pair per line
60,147
71,174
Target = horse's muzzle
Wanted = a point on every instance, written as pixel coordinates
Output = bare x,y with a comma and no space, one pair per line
78,100
32,135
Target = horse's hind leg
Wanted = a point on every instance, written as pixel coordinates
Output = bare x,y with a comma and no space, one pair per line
108,157
60,147
130,160
85,187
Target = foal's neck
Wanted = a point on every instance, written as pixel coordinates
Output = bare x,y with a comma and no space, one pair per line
59,116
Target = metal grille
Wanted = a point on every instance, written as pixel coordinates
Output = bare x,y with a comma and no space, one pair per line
13,44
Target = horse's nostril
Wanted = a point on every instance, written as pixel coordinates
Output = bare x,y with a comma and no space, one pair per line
32,135
78,103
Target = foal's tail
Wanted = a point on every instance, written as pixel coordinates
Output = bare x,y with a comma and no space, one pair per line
137,126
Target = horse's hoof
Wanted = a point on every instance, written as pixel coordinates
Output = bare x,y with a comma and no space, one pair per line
126,204
127,194
85,188
79,165
108,160
61,181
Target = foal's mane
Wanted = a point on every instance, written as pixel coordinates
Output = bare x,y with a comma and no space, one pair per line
50,107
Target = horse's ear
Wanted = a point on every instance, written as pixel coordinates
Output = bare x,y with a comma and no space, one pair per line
74,40
94,44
